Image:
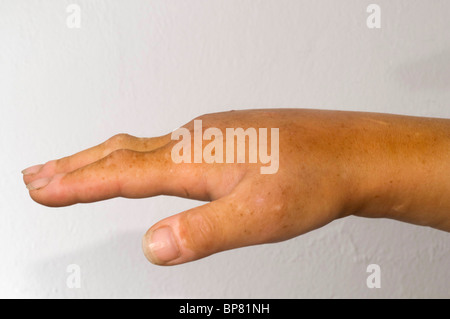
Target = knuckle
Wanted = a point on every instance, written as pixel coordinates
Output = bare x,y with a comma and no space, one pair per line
200,232
53,165
119,141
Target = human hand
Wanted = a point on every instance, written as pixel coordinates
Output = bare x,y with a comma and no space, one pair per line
331,164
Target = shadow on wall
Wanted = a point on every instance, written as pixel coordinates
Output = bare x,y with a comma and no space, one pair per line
329,262
117,268
432,72
107,269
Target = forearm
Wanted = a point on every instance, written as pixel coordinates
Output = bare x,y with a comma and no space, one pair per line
406,175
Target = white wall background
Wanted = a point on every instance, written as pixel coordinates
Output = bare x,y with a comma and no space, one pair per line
145,67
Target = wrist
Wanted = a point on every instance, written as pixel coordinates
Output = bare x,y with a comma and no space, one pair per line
404,172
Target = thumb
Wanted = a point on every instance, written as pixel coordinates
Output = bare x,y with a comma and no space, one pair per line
199,232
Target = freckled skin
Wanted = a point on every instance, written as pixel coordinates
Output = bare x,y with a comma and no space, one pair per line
332,164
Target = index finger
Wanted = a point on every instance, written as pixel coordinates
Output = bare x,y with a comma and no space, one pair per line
123,173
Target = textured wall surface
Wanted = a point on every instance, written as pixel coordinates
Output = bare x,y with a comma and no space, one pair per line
146,67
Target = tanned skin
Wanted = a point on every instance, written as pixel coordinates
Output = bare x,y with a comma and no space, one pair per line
332,164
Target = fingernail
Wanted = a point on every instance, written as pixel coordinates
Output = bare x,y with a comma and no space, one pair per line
32,170
39,183
163,247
